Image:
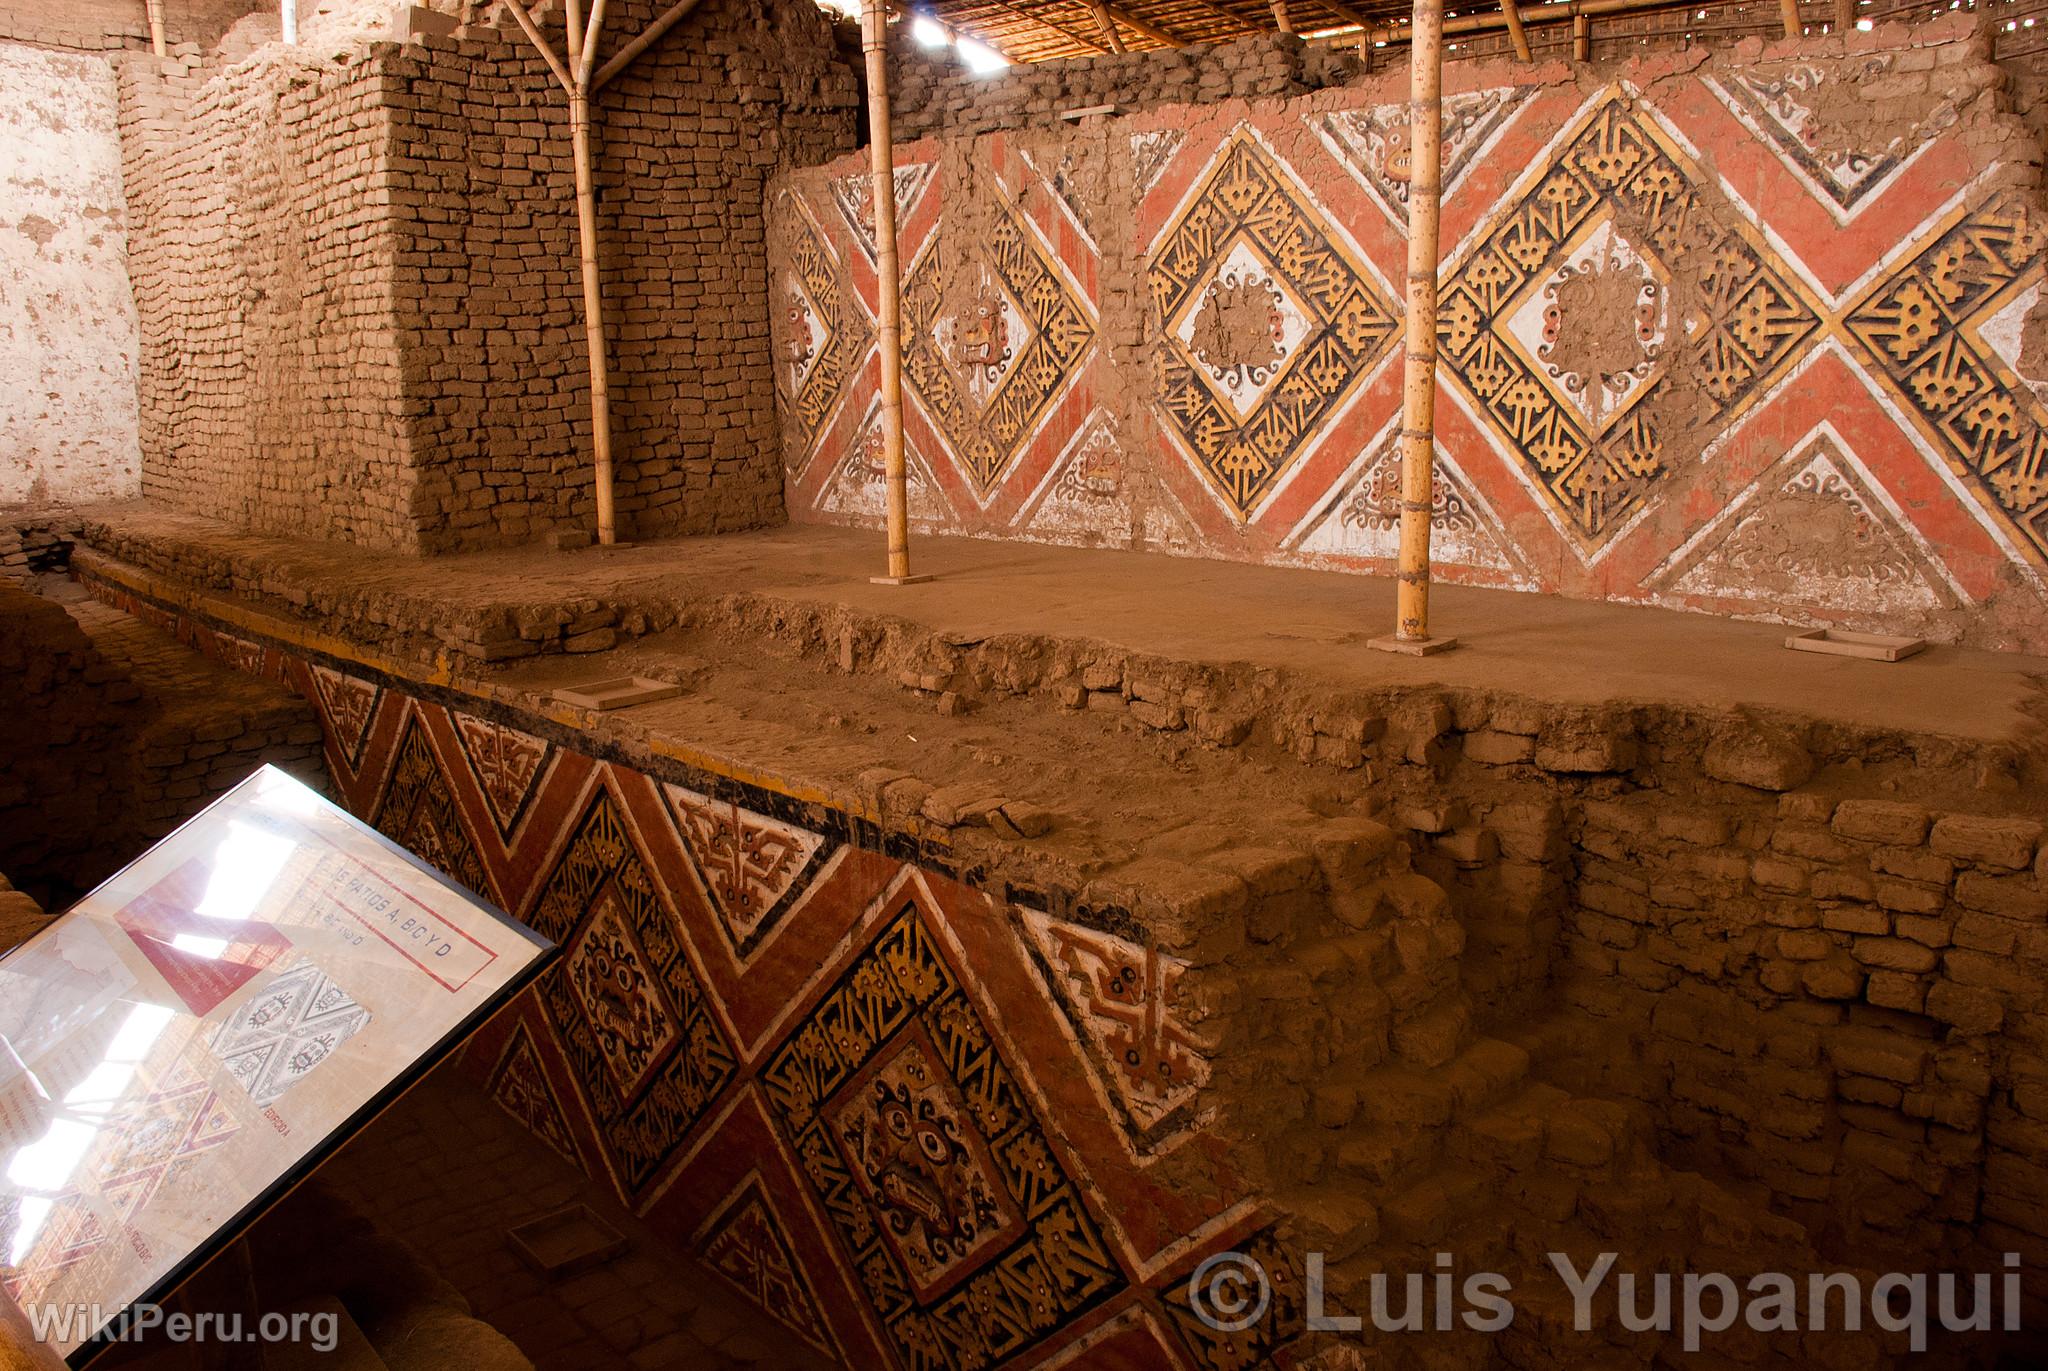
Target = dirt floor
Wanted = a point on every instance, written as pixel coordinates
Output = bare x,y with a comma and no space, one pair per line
1545,647
1152,709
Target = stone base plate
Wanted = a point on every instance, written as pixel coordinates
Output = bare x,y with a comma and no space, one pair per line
899,580
1411,647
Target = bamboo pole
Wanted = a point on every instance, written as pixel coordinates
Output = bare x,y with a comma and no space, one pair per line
1281,19
1790,9
155,10
874,34
1418,390
1582,38
288,19
580,78
1579,12
1145,27
1845,15
1108,27
581,46
1512,13
649,36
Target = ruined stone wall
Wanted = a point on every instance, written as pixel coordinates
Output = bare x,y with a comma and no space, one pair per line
932,94
263,264
491,304
61,779
1180,331
68,339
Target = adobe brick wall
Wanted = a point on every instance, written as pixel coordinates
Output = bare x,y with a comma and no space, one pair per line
1715,991
116,25
261,256
358,281
490,303
63,784
1178,329
932,94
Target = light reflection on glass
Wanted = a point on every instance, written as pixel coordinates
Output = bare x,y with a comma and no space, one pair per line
244,865
43,1168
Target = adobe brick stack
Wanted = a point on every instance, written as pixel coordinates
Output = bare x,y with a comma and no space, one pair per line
117,25
63,784
358,281
261,258
932,93
490,305
21,918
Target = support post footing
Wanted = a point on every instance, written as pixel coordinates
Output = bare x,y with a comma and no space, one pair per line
899,580
1411,647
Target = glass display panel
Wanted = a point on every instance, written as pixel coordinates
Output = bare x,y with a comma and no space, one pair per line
190,1039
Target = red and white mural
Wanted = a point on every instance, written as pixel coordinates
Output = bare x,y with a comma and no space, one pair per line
1717,336
922,1127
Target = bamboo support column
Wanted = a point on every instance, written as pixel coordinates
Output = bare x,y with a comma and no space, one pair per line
1845,15
1582,38
582,47
580,78
155,10
1512,12
889,288
1790,9
1107,25
1418,392
288,19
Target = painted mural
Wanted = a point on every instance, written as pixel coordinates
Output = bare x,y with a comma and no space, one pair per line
922,1128
1707,341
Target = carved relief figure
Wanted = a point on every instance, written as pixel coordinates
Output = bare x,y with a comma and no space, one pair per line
981,335
1239,328
1603,328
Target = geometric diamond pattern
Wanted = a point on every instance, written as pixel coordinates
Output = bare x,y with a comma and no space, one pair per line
632,1017
1269,324
1736,328
964,1227
992,333
749,1246
752,868
819,335
1922,327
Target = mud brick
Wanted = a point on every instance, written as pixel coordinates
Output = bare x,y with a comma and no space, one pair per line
2013,897
1489,747
1965,1007
1759,761
2008,843
1913,864
1882,821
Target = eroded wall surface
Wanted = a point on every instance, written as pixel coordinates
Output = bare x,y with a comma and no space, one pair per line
68,340
1753,333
